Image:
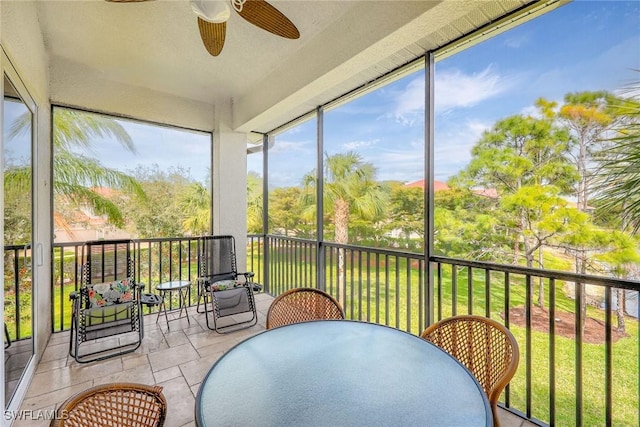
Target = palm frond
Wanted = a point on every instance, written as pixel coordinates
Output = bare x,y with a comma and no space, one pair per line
618,176
19,179
80,129
72,171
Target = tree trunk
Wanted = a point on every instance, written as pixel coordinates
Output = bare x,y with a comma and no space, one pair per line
341,225
620,309
540,281
581,268
582,193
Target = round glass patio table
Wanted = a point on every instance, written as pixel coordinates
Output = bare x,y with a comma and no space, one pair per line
334,372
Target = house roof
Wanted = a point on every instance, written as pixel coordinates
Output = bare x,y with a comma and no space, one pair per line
491,193
437,185
146,59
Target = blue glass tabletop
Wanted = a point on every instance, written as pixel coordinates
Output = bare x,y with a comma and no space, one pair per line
347,373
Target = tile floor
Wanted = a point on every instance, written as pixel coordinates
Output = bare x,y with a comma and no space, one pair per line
176,358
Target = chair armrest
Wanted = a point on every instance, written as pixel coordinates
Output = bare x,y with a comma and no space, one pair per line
248,275
150,300
138,289
205,282
76,301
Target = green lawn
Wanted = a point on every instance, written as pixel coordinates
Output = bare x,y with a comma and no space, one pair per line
388,291
391,297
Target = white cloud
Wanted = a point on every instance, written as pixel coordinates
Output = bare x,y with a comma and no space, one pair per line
354,145
283,146
530,111
454,89
293,131
409,106
516,42
474,129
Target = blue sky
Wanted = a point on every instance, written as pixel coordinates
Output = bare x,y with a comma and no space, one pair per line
155,145
16,150
585,45
164,146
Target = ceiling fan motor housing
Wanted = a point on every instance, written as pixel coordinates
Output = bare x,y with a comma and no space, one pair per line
215,11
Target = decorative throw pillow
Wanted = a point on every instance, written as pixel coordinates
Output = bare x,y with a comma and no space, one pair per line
223,285
109,293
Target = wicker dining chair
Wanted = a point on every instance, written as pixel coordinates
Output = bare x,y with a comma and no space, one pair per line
114,404
301,305
483,346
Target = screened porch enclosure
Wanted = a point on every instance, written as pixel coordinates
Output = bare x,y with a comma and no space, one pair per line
456,160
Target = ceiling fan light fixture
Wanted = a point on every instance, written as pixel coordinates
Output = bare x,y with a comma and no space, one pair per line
215,11
237,4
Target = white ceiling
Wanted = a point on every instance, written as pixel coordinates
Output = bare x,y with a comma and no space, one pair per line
96,48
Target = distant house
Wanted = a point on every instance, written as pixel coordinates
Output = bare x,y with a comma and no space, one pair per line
491,193
437,185
82,224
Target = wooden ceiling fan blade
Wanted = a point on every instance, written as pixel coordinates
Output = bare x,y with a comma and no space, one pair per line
213,35
263,15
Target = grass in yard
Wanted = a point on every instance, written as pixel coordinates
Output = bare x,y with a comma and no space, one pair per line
391,290
390,293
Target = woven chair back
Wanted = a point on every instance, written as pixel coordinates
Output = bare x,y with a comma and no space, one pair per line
301,305
114,404
483,346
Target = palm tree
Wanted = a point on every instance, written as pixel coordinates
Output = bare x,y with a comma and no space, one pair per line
621,257
618,180
350,189
195,203
77,177
254,203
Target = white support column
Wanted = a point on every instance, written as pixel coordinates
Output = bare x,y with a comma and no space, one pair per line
230,183
27,66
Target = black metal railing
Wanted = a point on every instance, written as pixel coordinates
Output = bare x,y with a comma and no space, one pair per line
17,291
156,261
564,326
576,367
571,349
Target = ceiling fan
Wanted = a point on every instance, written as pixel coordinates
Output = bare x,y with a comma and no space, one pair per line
213,16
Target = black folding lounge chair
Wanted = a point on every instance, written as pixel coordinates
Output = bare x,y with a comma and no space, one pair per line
219,289
108,303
